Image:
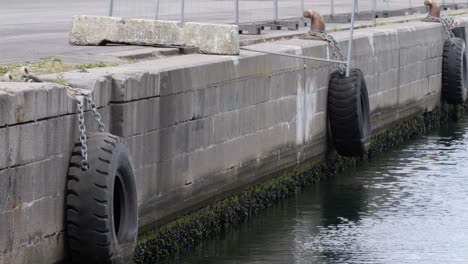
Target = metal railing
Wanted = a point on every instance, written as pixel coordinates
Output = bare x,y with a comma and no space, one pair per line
249,11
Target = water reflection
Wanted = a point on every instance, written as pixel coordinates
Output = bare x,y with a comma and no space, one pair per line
407,206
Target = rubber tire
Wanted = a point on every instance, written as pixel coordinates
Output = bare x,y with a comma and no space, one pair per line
94,232
454,72
348,113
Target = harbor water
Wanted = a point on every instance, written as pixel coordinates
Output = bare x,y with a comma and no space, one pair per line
408,205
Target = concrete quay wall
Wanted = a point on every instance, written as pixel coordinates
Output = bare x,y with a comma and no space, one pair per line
197,126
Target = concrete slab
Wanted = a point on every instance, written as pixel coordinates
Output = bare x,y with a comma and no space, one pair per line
208,38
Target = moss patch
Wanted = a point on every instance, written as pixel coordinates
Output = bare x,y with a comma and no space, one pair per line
189,230
48,65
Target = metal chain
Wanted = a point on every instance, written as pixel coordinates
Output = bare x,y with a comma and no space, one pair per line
83,138
335,47
447,23
97,116
81,124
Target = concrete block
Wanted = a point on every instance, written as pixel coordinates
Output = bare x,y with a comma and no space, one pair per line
435,83
176,108
45,217
254,64
318,126
283,84
263,119
218,71
5,239
413,91
135,117
372,83
212,38
318,77
148,32
435,48
93,30
389,98
253,91
413,72
173,141
147,182
226,126
200,133
206,102
229,154
383,39
281,110
173,173
387,60
209,38
230,96
204,162
176,81
272,138
98,30
144,149
248,119
322,98
366,63
416,33
250,146
434,66
275,63
49,250
389,79
413,54
134,85
24,102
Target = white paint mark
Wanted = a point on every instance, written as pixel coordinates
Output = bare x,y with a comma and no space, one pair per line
306,104
371,41
299,111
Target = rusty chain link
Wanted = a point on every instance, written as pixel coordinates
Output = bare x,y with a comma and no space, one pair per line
448,23
335,47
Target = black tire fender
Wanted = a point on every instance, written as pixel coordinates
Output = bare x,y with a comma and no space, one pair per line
348,113
454,72
101,203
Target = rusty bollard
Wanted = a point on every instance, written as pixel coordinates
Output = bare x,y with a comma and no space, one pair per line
434,8
317,24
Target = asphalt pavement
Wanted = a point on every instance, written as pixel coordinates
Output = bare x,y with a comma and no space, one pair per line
31,29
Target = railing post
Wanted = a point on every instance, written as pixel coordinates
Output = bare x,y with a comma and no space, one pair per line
302,9
275,3
236,8
157,10
182,11
332,7
111,7
350,45
374,6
